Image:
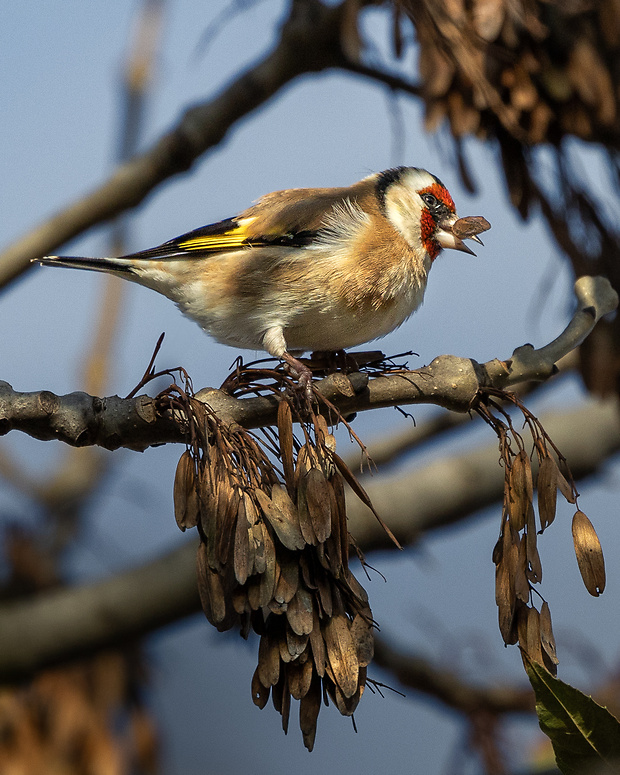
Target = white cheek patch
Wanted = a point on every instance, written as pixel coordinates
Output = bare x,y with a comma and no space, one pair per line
402,218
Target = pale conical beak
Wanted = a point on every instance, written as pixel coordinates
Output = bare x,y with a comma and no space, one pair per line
448,239
452,231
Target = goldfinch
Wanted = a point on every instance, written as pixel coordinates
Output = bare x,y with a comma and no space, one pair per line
305,269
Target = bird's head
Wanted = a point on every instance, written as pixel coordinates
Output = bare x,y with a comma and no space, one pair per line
420,207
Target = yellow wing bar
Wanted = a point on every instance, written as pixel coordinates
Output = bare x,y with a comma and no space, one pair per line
231,238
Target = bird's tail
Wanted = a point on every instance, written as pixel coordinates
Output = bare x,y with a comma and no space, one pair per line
117,265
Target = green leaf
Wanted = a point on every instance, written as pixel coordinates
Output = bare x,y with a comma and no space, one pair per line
585,736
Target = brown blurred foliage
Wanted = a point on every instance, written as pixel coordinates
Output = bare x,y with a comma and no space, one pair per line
83,719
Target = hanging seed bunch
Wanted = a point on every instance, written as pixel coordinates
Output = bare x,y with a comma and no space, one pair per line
273,556
535,70
516,558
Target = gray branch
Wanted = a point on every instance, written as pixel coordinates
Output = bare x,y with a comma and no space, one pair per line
58,625
446,685
454,383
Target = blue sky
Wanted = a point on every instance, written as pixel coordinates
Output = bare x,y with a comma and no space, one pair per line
58,131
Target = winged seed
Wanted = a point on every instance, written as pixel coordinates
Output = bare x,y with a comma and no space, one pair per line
342,654
547,487
282,515
589,554
186,503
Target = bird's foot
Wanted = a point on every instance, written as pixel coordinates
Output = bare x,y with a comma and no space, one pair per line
303,375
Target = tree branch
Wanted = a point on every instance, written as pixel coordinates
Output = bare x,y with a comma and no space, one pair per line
454,383
445,685
58,625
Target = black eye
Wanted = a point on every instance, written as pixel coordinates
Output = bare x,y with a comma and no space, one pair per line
430,200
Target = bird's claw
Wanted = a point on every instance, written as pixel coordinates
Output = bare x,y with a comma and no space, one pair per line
303,375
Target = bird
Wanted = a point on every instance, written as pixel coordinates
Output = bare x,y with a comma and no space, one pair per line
306,269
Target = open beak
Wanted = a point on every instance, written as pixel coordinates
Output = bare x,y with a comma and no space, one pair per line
453,231
446,237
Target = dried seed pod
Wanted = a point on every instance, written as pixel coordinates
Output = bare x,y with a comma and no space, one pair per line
288,581
361,633
268,660
346,705
464,120
434,113
337,543
546,634
307,572
299,612
210,589
281,513
534,573
533,643
211,474
523,95
285,434
317,642
356,589
505,575
321,429
341,654
325,594
251,512
521,489
295,644
306,459
253,587
436,71
268,578
521,625
186,503
340,529
589,554
521,584
240,601
318,503
528,628
276,695
592,80
540,119
227,519
300,679
309,708
241,561
305,521
563,486
496,555
258,539
251,567
547,487
285,705
285,654
260,693
276,608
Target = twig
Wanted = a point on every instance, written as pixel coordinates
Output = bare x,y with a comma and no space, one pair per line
449,381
